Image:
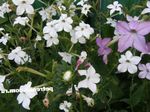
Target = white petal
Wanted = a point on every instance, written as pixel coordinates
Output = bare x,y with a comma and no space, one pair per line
122,67
29,9
20,98
26,103
132,68
83,84
135,60
146,10
20,10
82,72
92,87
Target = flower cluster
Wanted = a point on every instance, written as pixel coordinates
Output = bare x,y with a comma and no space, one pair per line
60,43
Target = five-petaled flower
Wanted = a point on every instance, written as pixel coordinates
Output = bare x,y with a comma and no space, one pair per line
92,78
132,35
128,63
24,6
145,71
26,94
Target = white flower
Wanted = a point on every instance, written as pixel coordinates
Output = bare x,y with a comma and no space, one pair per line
38,38
115,7
81,32
128,63
111,21
47,13
70,90
50,29
145,71
2,79
85,9
4,9
67,75
65,106
82,2
4,39
89,101
26,94
92,78
50,40
66,57
21,20
24,6
19,56
146,10
64,23
74,40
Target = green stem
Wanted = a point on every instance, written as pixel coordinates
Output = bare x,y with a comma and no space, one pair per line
71,48
81,104
26,69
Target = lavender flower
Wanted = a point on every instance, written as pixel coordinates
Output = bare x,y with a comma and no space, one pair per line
132,35
103,50
145,71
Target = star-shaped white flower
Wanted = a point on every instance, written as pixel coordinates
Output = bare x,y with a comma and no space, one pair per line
65,56
85,9
4,8
82,2
50,40
4,39
24,6
115,7
19,56
146,10
65,106
26,94
111,21
21,20
50,29
64,23
81,33
128,63
92,78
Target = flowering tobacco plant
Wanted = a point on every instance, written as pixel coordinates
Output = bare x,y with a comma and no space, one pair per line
74,55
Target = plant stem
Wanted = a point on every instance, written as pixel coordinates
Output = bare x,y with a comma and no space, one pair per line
26,69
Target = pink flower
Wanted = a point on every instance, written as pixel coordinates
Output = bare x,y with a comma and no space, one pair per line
145,71
103,50
132,35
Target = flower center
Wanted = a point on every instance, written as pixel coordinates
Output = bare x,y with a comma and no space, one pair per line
133,31
23,1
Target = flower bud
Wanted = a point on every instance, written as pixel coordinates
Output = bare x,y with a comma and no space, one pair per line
67,75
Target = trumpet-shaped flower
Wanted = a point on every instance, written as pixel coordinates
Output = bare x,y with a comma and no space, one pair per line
26,94
132,35
92,78
128,63
24,6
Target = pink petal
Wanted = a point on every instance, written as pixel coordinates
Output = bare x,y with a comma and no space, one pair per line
122,27
143,28
140,44
124,43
